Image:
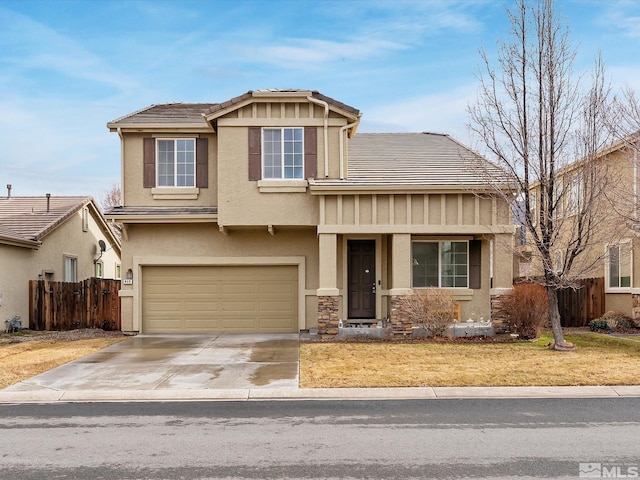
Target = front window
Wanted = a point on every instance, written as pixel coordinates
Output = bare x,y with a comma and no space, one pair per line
176,162
619,266
283,156
99,270
441,264
118,271
70,269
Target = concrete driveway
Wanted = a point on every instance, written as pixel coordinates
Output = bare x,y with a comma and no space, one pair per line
171,364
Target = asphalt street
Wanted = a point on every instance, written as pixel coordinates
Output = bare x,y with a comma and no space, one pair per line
393,439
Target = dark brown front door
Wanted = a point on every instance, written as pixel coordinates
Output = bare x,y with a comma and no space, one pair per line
361,275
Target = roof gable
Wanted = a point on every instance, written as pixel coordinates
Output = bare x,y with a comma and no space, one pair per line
251,96
198,115
27,220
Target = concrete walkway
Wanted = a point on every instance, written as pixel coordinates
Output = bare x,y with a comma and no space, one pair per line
229,367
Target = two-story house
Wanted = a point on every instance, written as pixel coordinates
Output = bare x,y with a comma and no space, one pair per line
598,195
269,213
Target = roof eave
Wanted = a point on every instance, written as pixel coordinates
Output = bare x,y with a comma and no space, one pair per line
147,218
20,242
160,127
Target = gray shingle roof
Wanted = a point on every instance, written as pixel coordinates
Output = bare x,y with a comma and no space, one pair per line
117,212
421,159
166,113
27,218
193,113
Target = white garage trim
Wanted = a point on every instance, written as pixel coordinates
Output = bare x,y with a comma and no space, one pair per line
140,262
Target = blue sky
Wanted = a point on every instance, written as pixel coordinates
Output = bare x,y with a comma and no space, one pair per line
69,67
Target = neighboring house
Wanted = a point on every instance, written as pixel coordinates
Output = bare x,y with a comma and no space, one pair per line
613,250
268,213
51,238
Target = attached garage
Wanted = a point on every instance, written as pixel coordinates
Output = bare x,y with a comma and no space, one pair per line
193,299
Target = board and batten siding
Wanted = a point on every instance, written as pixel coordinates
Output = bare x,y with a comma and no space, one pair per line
413,213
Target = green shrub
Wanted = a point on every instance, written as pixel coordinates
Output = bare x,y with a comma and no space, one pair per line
610,321
599,324
622,323
527,308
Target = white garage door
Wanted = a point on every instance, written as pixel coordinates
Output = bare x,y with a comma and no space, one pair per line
189,299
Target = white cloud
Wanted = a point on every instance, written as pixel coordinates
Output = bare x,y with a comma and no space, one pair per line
30,46
296,53
443,112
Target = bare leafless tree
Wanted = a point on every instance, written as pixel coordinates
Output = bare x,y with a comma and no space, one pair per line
537,121
110,198
624,124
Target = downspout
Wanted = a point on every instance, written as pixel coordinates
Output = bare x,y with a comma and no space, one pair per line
342,152
119,130
326,131
635,186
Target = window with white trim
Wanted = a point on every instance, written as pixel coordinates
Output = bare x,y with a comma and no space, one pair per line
558,199
118,271
70,268
283,153
618,269
574,195
533,207
176,162
99,269
440,264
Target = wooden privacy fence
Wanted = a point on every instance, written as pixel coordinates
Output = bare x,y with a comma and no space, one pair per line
92,303
579,307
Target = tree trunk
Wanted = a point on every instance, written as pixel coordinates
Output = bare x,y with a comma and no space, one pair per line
554,316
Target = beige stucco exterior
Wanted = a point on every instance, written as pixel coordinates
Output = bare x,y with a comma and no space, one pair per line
22,264
617,170
297,222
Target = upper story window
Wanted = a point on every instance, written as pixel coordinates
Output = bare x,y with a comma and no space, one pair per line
176,160
575,197
283,153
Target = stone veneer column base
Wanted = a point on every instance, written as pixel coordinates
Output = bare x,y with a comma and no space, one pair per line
328,315
401,325
635,312
498,317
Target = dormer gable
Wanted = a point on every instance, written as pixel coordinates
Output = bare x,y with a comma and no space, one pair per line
282,97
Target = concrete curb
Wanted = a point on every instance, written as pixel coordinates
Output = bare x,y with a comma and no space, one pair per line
260,394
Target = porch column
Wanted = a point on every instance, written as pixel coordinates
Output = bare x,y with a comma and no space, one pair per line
400,283
502,279
328,293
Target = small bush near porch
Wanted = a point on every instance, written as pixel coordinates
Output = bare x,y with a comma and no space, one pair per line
599,360
432,309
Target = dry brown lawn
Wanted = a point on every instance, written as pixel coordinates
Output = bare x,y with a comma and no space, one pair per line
599,360
24,360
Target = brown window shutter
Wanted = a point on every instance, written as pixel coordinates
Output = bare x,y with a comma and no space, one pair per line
255,153
310,152
202,162
475,270
149,163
